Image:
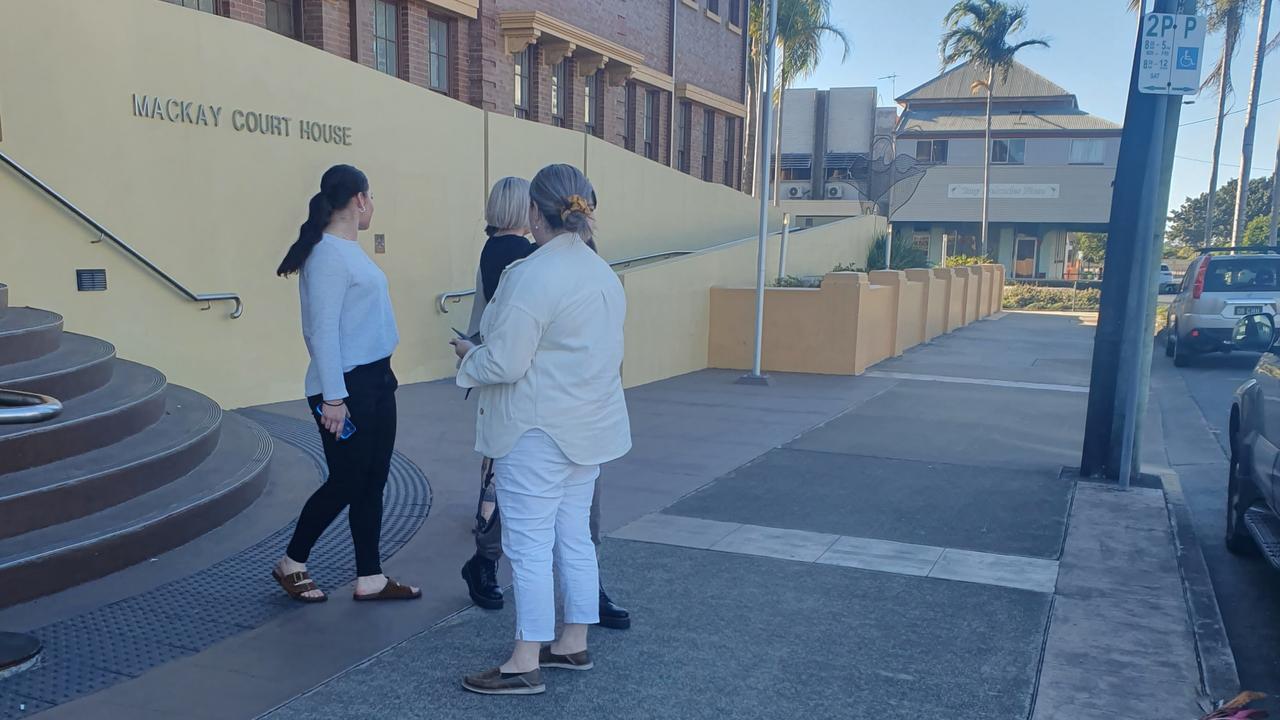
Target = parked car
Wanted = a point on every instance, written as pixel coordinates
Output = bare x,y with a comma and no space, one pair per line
1253,480
1217,290
1167,283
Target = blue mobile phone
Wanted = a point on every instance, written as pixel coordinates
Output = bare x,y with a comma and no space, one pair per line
348,427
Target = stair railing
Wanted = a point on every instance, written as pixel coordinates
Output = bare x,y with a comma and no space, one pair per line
105,234
24,407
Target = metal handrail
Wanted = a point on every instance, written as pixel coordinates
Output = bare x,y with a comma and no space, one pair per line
24,407
457,295
104,233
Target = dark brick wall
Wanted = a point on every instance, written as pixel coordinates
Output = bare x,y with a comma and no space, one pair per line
708,53
326,25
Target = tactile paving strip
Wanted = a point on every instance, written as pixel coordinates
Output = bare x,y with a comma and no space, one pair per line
123,640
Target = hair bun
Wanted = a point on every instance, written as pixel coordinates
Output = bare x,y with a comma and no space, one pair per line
575,204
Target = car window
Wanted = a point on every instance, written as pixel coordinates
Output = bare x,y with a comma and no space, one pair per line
1164,268
1241,275
1187,277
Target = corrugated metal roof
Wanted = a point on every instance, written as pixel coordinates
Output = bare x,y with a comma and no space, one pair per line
939,121
955,83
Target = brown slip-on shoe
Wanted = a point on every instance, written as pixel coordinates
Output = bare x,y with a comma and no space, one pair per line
572,661
496,682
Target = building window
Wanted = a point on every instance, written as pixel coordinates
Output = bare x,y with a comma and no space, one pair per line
438,54
522,83
729,150
795,173
385,35
1087,152
708,142
590,96
282,18
650,123
557,94
735,12
1008,152
629,128
202,5
684,136
933,152
713,6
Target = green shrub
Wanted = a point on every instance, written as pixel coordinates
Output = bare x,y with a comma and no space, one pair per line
966,260
905,254
791,281
1030,297
847,267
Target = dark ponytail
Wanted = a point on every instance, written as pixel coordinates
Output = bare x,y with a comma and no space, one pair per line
338,185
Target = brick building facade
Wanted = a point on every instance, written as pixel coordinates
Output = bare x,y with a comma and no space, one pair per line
606,67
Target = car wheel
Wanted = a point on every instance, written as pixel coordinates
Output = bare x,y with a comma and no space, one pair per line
1239,498
1181,358
1168,342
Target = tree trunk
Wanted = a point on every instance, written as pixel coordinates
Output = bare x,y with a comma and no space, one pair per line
1250,127
986,162
1275,199
777,147
1217,148
749,130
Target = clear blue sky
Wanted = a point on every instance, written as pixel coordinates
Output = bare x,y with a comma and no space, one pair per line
1091,53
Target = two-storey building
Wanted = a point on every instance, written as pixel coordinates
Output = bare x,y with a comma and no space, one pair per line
665,79
1052,167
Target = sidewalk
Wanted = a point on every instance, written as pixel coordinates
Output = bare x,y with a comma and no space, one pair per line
908,546
897,545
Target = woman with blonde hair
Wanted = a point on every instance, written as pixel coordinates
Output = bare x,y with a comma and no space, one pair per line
551,412
507,223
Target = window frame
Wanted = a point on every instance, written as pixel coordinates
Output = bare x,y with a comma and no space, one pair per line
591,103
630,113
198,5
708,144
437,56
684,136
651,119
520,85
558,94
387,61
934,157
735,13
713,7
1100,143
294,8
1008,156
730,132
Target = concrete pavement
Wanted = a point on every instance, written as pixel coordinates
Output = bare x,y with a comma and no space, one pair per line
897,545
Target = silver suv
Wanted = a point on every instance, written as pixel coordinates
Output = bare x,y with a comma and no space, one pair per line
1216,292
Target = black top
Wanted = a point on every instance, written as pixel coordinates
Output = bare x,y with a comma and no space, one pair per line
499,252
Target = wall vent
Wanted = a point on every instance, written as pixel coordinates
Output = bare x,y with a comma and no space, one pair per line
91,280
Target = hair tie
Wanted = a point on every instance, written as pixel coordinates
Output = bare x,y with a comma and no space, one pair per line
576,203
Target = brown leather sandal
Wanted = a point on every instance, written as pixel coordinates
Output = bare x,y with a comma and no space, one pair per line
392,591
296,584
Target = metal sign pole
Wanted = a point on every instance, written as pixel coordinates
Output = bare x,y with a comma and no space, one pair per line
756,377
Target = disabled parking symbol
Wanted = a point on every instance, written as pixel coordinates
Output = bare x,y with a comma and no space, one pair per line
1188,58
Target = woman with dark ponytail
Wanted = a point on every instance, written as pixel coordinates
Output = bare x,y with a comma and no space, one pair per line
350,332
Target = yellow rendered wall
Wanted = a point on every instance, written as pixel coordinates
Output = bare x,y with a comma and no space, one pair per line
844,327
669,303
217,208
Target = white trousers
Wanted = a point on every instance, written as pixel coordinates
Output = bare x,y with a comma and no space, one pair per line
546,515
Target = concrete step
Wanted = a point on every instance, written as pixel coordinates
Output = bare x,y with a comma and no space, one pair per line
84,484
54,558
80,365
132,401
27,333
1265,529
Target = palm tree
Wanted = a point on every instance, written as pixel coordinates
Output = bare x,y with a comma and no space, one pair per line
978,32
802,27
1226,17
1250,124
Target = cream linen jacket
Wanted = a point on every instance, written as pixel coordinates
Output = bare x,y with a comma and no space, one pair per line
552,356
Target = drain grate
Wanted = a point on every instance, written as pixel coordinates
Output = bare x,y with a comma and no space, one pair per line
123,640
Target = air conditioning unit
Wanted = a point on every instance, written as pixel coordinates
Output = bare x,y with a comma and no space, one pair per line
835,192
793,192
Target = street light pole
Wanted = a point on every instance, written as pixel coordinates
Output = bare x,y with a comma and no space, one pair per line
757,377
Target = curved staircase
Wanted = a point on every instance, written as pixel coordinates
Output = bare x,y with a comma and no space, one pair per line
131,468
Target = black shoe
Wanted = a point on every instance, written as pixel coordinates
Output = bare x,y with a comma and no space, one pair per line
611,615
482,582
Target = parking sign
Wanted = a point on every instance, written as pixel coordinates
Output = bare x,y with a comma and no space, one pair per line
1172,54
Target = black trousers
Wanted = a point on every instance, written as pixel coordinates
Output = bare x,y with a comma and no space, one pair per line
358,468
